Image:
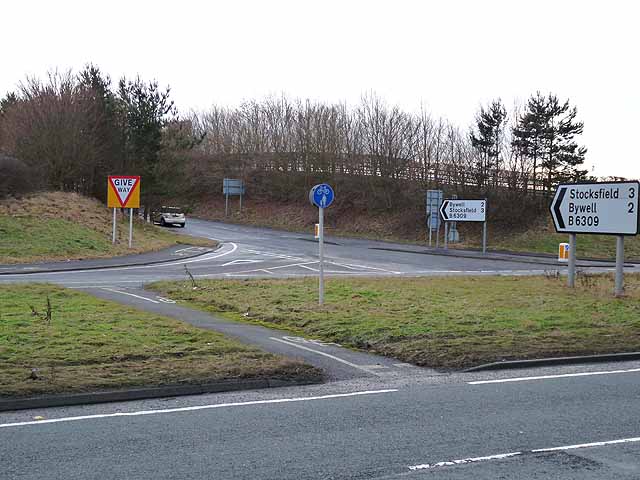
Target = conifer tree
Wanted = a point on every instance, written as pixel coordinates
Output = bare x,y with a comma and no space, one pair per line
488,138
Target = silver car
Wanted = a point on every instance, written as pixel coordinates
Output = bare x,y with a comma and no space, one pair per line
169,216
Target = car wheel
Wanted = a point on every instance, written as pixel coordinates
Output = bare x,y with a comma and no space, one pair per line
162,222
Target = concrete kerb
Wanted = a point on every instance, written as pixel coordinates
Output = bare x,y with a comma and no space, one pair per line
546,362
515,258
46,401
103,267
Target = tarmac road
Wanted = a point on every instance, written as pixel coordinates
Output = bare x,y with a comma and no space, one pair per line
560,426
376,418
259,252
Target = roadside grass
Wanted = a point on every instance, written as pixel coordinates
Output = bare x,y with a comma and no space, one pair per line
444,322
91,344
63,226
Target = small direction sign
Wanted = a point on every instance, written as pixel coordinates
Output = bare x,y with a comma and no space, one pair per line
464,210
123,192
599,208
321,195
232,186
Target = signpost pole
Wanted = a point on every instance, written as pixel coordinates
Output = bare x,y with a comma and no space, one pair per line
438,236
484,237
571,281
446,234
619,288
429,227
241,201
226,204
321,252
114,227
130,227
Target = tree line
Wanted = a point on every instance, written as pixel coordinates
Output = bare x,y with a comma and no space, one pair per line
69,131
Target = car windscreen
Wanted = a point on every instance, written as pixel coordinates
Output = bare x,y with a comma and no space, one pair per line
171,210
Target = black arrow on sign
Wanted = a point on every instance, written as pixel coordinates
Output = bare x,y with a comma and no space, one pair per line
443,210
556,207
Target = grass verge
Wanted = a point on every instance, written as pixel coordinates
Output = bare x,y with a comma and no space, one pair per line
91,344
451,322
66,226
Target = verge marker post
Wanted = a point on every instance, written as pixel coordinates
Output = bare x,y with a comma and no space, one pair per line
113,240
130,227
321,253
619,288
571,280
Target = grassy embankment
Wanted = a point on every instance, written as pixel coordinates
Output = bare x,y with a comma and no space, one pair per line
540,237
63,226
91,344
438,322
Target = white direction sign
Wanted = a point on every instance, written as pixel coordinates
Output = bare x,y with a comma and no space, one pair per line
464,210
605,208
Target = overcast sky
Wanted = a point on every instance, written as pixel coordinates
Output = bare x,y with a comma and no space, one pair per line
452,56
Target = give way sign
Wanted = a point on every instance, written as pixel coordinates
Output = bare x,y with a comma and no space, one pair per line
123,192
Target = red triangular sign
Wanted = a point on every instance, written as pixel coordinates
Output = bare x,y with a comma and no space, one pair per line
123,187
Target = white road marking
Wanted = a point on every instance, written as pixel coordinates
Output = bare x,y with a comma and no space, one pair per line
548,377
500,456
240,261
198,407
333,357
354,267
130,294
308,267
588,445
462,461
317,343
166,300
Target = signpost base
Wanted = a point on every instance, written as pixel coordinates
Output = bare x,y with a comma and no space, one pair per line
113,240
130,227
484,238
619,288
446,235
321,254
571,281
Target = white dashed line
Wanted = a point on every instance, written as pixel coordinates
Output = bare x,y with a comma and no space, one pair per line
501,456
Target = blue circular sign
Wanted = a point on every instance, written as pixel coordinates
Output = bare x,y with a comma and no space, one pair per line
321,195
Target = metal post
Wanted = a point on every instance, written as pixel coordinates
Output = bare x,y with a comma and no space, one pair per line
226,205
241,202
446,235
130,227
571,281
429,227
114,227
438,233
484,237
619,289
321,253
